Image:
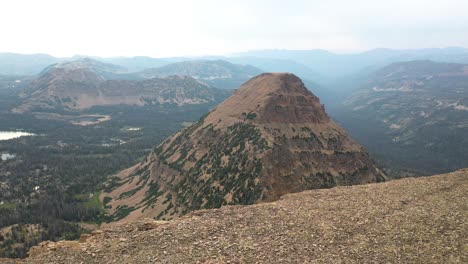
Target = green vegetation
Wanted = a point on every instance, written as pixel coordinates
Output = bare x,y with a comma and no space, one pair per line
69,162
105,201
16,242
7,206
112,183
121,212
152,194
251,116
239,176
94,201
129,193
417,130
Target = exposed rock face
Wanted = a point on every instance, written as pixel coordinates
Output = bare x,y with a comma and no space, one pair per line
83,84
419,220
272,137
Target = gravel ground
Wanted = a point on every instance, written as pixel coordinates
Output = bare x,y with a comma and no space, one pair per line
423,220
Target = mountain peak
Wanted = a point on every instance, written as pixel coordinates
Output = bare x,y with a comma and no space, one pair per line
276,82
273,98
270,138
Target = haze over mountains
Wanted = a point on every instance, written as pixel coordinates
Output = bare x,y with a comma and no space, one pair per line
412,115
333,75
218,73
322,62
94,117
203,131
335,78
23,64
333,65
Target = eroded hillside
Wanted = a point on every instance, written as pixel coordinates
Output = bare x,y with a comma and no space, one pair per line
272,137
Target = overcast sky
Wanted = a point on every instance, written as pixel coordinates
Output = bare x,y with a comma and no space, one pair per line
210,27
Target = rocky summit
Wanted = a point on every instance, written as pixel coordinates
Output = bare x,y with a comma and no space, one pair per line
271,138
414,220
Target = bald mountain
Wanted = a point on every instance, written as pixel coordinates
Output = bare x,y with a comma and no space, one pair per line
270,138
218,73
413,116
85,83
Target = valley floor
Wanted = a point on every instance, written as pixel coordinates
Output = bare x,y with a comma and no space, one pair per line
415,220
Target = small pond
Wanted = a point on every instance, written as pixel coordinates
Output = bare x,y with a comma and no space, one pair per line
6,156
7,135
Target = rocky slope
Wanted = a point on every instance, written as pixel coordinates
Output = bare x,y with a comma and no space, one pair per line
413,116
419,220
218,73
85,83
272,137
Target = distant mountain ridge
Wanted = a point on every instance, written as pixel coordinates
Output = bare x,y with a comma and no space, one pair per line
24,64
314,63
333,76
335,65
87,63
218,73
138,63
83,84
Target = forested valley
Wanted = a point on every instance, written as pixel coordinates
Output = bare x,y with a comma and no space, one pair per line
50,189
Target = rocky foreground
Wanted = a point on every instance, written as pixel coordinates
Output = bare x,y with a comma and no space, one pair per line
422,220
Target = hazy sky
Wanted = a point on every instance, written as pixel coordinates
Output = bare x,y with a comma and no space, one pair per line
201,27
